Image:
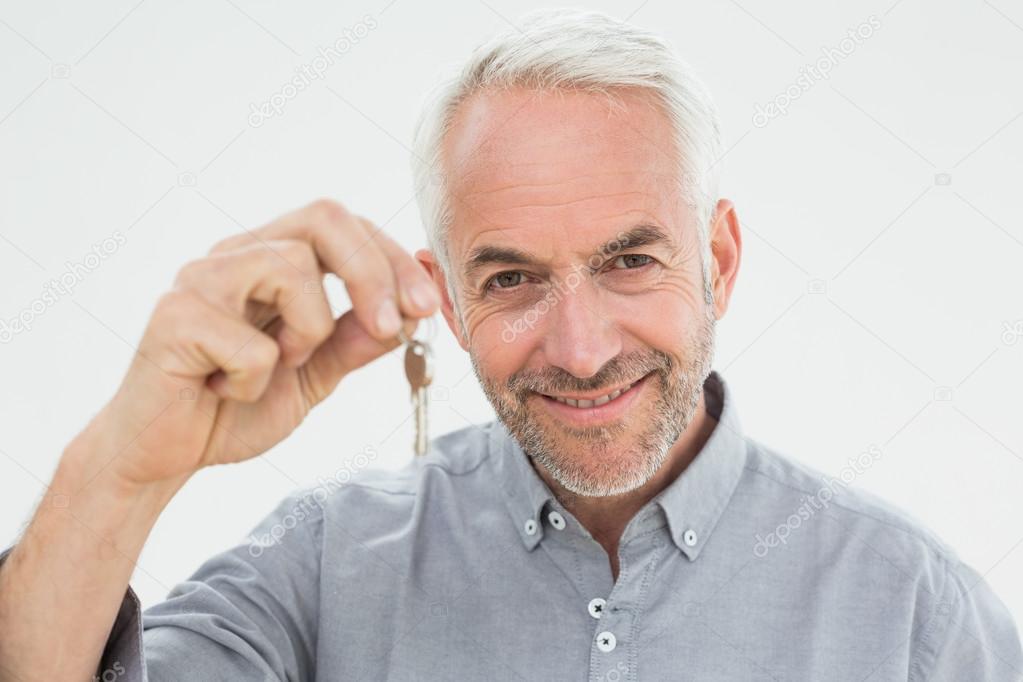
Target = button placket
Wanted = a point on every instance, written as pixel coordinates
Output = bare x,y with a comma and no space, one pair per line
612,626
610,653
612,644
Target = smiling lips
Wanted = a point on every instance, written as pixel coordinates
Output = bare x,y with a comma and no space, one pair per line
593,402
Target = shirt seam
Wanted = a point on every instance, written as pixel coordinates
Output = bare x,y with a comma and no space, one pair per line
938,549
924,634
930,628
632,653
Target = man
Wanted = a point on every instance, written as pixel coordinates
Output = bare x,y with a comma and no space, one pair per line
613,524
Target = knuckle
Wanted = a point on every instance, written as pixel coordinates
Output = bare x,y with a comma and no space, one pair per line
370,291
291,283
265,352
369,281
312,325
327,212
259,356
321,327
373,265
174,306
175,318
233,243
299,254
193,272
375,233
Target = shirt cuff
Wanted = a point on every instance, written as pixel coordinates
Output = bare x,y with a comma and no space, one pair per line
122,658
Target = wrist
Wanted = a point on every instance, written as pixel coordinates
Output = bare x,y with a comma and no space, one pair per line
88,482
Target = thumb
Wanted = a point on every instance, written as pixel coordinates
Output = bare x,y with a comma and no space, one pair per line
348,348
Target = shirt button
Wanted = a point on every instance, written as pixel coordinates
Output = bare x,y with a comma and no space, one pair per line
530,527
606,641
596,607
689,537
556,519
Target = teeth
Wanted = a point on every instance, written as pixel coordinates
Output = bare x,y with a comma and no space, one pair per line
595,402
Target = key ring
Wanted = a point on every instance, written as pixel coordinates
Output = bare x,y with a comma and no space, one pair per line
430,322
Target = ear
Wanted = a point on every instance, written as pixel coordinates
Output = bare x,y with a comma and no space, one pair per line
429,262
726,253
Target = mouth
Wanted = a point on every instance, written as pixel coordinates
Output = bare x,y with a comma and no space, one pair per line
594,407
595,401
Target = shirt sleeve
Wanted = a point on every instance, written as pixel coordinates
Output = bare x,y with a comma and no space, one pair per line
971,635
122,657
248,613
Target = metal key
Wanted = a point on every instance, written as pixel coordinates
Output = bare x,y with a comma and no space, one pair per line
419,372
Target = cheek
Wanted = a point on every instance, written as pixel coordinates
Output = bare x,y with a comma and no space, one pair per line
505,324
502,340
663,316
681,292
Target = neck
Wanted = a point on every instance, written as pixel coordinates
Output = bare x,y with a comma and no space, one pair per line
606,517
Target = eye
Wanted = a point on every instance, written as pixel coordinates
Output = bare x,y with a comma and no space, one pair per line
631,261
505,280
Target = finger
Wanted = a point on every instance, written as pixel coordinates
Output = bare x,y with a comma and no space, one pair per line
417,294
284,274
343,246
192,337
348,348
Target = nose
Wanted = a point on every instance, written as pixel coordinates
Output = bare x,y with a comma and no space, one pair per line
580,338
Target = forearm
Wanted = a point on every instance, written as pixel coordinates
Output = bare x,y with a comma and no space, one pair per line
62,585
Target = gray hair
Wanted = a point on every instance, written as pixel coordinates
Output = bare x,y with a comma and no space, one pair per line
563,49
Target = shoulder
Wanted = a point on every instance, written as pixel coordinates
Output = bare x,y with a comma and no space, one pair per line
783,484
454,459
877,550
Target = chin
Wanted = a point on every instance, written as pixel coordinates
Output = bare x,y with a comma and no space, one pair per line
611,469
602,486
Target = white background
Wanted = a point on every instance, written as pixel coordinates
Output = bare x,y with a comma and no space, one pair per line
882,223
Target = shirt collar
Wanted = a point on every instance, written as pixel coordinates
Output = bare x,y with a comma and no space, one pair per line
695,500
692,503
524,491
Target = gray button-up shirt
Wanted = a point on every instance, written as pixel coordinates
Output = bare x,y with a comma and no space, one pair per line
464,566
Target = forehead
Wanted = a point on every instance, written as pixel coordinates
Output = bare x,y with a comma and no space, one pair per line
534,168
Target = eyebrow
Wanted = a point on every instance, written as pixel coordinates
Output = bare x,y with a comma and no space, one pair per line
640,235
487,255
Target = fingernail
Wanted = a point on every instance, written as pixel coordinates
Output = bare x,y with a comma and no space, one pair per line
424,296
388,319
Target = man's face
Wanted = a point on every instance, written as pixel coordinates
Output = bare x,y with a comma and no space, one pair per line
576,269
